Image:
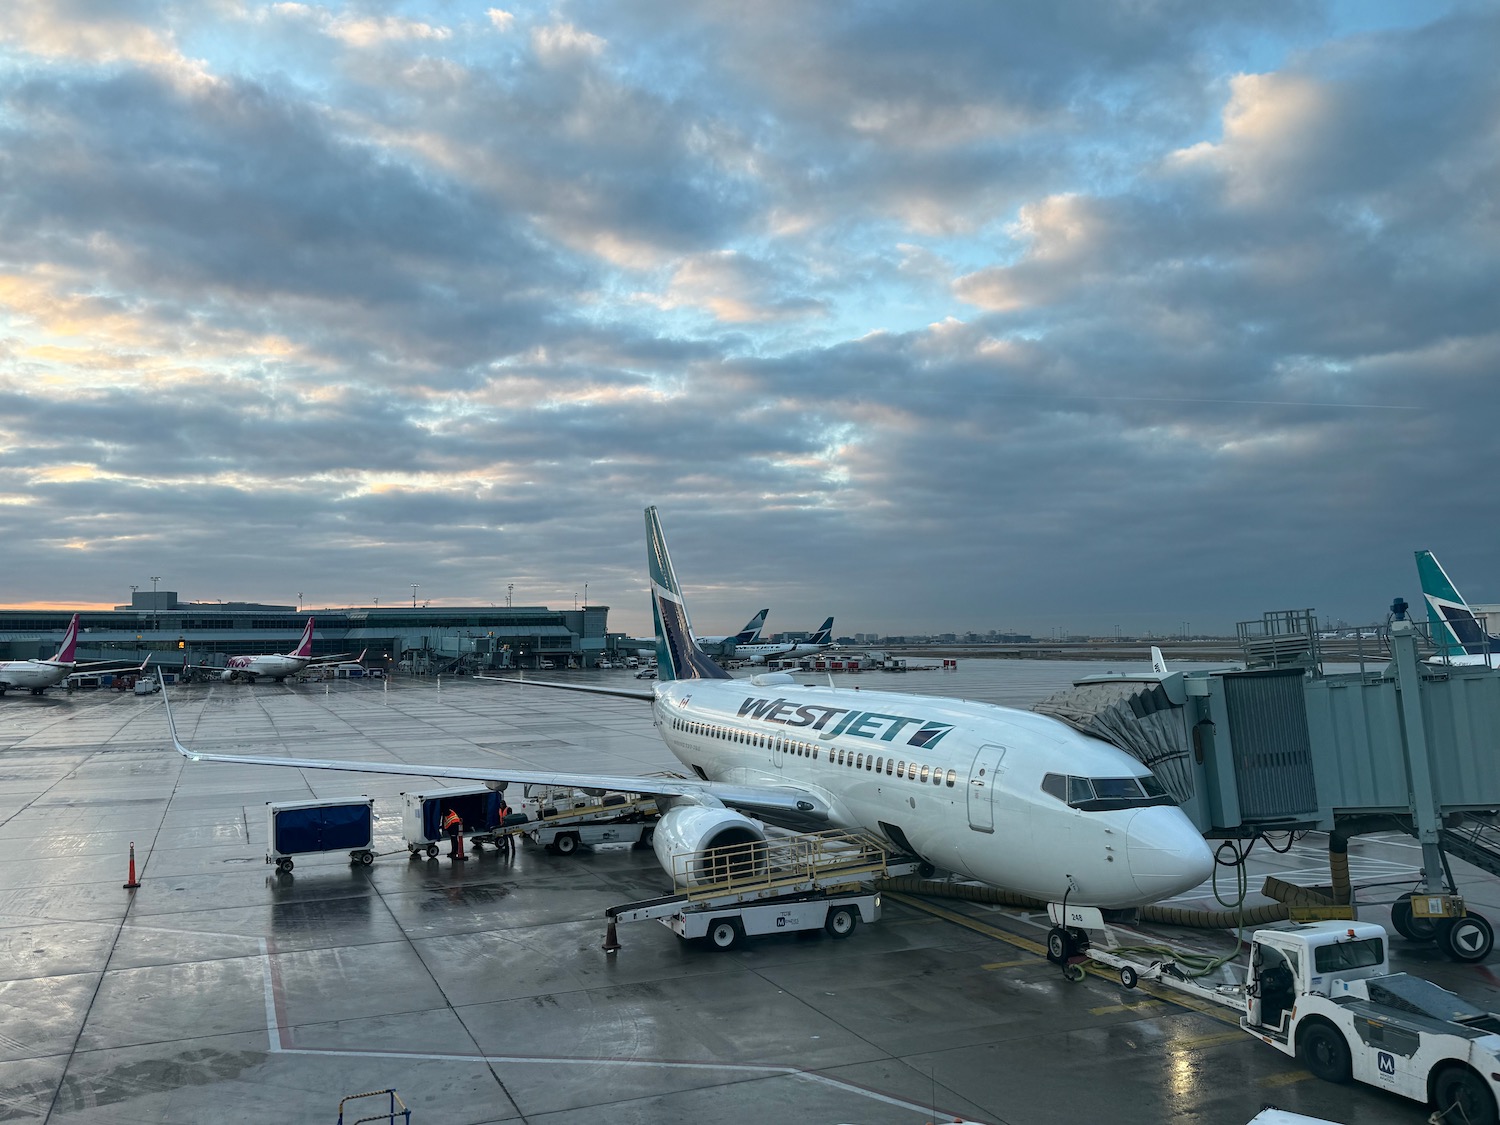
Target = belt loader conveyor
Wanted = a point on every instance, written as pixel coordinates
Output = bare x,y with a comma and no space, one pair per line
787,884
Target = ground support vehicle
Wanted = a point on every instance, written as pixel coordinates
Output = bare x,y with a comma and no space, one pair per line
1323,993
565,825
790,884
422,817
295,828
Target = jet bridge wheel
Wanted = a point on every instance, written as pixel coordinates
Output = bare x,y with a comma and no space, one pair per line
1408,925
1467,940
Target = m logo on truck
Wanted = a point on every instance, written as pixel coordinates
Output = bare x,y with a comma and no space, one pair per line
1386,1062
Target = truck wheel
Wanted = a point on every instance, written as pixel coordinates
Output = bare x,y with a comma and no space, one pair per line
432,851
724,933
1469,939
1325,1053
1457,1088
1408,925
645,840
567,844
367,858
841,921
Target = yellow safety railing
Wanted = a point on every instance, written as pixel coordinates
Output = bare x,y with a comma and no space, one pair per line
778,862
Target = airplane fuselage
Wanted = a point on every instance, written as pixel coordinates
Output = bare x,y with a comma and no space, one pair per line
32,675
275,666
961,784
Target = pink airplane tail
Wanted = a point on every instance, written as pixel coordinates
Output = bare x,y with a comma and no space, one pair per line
66,654
304,648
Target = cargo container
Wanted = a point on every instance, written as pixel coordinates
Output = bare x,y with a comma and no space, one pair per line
296,828
422,816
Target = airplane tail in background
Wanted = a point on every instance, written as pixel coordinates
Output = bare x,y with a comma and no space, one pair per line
304,647
1455,629
750,634
824,635
677,655
1158,662
67,653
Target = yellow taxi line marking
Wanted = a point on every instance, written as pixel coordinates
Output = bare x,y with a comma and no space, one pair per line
1181,999
1285,1079
1110,1009
1008,964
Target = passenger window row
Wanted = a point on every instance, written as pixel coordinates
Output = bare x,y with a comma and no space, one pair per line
921,774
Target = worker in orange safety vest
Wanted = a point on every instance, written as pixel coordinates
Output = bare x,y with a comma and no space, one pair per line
453,825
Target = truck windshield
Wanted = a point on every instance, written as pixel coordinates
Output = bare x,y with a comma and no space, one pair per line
1349,955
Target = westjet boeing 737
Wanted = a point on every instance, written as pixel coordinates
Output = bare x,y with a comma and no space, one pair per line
1007,797
749,635
821,638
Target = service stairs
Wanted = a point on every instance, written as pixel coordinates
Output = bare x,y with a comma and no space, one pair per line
1476,840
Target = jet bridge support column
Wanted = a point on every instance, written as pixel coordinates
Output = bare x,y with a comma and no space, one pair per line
1424,811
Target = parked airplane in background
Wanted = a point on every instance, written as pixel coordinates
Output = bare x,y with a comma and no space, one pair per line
749,635
820,639
1008,797
278,666
1457,634
38,675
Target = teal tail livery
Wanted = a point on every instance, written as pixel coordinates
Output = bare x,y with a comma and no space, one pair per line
824,634
1457,634
677,655
750,634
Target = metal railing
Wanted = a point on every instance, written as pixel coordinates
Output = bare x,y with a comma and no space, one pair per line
762,865
397,1108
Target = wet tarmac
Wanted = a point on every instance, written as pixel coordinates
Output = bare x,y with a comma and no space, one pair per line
222,991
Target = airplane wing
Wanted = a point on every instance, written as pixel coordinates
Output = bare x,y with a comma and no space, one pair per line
624,693
776,802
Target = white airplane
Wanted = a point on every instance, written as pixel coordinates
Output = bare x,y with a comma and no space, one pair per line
749,635
821,638
1008,797
1457,634
278,665
38,675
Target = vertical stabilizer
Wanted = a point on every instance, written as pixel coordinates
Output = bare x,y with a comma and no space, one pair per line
677,655
67,653
1455,629
750,634
824,634
1158,661
304,647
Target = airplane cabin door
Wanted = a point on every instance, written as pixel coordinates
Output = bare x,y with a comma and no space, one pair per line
983,778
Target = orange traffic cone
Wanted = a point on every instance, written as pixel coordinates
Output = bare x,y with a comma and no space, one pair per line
133,883
458,848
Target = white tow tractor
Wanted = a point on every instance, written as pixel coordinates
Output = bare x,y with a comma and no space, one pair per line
1324,993
563,821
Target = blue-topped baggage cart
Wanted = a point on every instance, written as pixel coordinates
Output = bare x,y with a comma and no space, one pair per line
296,828
479,809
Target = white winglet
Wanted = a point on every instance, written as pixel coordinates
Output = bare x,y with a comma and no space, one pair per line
172,723
1158,661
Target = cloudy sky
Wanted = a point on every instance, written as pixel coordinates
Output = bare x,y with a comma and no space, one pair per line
930,316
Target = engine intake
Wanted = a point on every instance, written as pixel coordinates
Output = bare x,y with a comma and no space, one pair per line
699,846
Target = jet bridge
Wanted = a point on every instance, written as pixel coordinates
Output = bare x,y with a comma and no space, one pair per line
1279,746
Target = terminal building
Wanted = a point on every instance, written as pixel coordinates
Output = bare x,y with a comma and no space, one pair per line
202,635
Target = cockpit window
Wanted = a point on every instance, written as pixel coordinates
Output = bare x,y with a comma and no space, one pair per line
1106,794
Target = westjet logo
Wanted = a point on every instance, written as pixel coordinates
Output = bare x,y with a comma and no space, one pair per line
830,722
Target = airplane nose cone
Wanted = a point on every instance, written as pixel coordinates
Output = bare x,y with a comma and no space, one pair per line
1166,854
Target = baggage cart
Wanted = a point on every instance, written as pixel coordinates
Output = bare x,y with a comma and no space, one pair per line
296,828
479,809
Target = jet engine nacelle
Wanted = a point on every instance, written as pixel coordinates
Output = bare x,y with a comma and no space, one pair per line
698,845
227,676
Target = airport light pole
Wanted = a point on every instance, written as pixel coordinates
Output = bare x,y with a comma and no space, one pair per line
414,586
155,609
299,601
